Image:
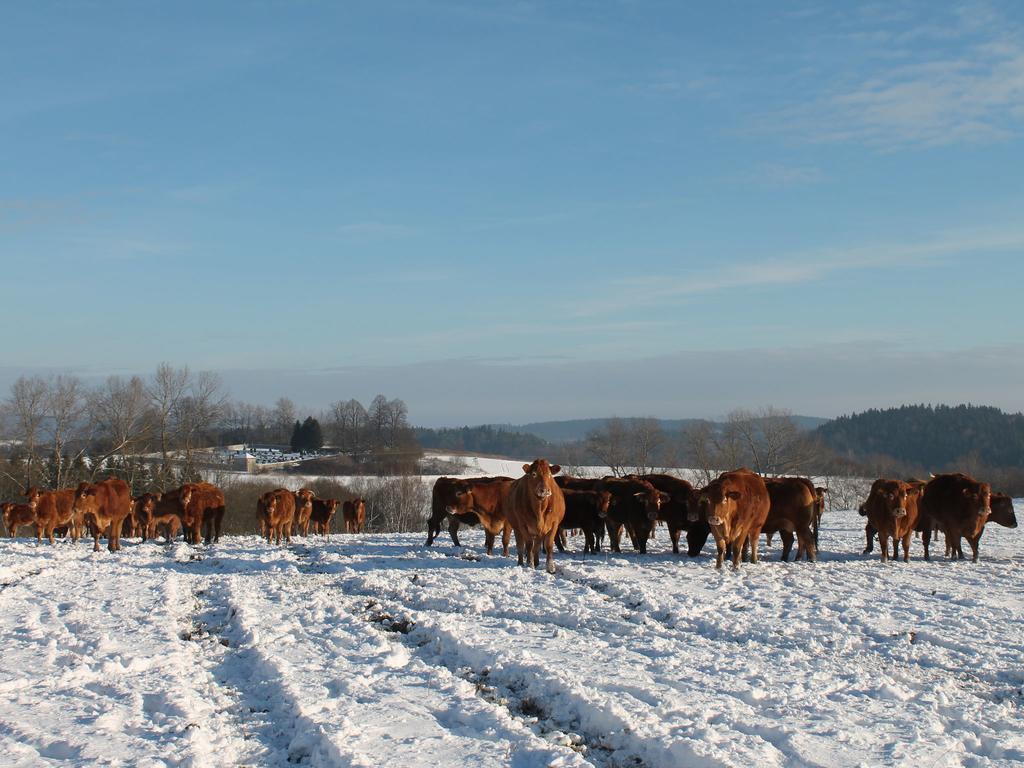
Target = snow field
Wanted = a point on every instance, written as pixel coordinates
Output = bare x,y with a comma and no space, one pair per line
371,649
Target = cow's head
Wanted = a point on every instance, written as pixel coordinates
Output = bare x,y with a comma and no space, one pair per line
331,505
1002,511
304,498
33,494
719,503
890,497
539,477
652,500
270,503
8,511
459,500
604,503
145,505
86,500
979,498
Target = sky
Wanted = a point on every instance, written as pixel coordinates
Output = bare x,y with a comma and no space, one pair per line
518,211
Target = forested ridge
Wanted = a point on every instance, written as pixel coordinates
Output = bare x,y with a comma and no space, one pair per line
931,436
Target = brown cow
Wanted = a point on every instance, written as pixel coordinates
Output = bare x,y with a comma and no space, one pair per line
303,509
54,510
162,512
1001,514
17,516
277,514
960,505
793,509
322,514
892,509
635,506
485,498
103,507
534,507
679,512
443,500
587,511
735,506
353,512
204,512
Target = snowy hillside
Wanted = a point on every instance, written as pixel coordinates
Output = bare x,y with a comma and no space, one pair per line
374,650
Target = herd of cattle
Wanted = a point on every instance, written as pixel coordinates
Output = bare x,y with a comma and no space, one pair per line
196,510
735,509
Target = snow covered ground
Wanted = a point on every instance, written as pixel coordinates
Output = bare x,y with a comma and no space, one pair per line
374,650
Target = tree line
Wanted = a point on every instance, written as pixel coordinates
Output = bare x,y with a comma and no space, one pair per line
57,431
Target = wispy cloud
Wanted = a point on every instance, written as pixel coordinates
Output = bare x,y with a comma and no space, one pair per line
956,81
783,175
651,290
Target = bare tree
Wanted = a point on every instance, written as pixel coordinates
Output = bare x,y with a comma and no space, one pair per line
283,418
348,425
166,389
398,421
27,406
379,417
198,412
701,451
611,445
769,441
65,405
648,444
120,411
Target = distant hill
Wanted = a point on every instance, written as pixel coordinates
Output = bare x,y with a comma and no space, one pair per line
577,429
936,437
486,439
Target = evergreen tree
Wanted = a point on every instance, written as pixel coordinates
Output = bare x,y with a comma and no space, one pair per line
296,441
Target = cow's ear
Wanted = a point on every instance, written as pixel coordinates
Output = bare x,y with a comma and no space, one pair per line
556,468
526,467
665,498
640,495
733,495
158,496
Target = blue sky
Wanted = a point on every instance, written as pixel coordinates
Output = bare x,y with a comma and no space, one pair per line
311,192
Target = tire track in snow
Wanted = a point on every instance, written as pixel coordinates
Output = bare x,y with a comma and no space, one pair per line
328,695
625,709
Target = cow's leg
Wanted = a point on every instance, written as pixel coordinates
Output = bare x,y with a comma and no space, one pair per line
489,542
549,550
810,547
95,538
883,543
49,531
974,541
754,537
869,539
560,540
614,533
787,545
906,546
720,545
737,551
696,538
673,534
926,537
